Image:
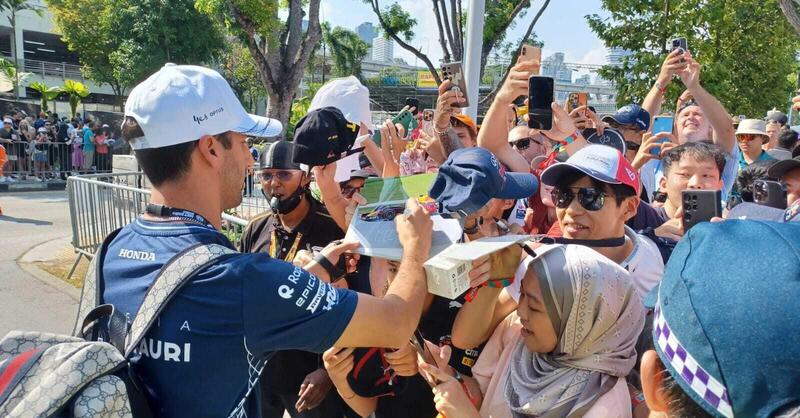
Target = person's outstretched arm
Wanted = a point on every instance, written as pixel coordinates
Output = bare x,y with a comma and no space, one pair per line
720,119
655,98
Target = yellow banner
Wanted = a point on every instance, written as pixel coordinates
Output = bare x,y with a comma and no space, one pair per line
425,79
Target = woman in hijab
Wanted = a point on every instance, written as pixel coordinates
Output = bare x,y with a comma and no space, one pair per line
565,352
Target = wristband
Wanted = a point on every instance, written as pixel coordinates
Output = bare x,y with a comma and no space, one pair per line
661,89
570,139
474,230
332,270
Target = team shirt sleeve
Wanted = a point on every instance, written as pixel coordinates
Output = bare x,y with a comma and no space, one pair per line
286,308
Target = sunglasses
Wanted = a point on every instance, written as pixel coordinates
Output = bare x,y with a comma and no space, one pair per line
619,127
590,198
746,137
631,146
282,175
348,192
524,143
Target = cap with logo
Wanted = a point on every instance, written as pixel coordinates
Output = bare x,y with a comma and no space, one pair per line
323,136
610,137
472,176
599,162
279,156
183,103
725,326
633,115
753,127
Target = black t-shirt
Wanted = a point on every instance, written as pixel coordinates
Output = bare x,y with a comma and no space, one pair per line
286,370
646,217
436,326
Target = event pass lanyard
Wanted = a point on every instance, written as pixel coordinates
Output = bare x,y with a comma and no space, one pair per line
273,246
162,211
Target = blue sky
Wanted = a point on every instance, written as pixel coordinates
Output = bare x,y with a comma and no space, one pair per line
562,27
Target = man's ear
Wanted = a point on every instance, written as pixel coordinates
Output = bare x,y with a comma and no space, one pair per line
210,151
631,206
652,375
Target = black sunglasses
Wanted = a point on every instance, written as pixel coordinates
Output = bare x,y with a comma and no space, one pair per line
631,146
524,143
590,198
281,175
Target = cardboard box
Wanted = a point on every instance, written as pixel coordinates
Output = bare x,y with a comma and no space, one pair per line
447,277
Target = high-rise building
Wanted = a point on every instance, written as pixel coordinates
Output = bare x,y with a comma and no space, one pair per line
382,49
367,32
553,66
616,55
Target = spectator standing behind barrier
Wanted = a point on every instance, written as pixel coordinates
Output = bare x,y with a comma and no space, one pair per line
88,146
189,133
752,136
102,156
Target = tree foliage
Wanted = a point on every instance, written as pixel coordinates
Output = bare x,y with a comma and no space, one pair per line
76,92
746,48
791,8
346,48
239,68
46,93
126,40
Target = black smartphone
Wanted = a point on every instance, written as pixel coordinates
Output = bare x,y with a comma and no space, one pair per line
413,102
540,98
679,43
770,193
700,206
454,72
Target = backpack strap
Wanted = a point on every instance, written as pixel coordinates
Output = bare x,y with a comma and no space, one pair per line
176,272
92,292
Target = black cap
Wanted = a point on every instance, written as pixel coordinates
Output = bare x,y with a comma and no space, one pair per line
610,137
279,155
323,136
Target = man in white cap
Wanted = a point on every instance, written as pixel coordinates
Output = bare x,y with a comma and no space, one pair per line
189,133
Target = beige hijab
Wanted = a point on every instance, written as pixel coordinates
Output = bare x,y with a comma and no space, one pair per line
598,317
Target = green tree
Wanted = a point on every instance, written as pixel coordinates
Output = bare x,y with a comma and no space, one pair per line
346,48
746,48
791,8
13,7
76,92
127,40
239,68
46,93
280,47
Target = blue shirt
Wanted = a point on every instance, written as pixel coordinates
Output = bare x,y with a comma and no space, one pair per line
200,358
652,172
764,156
88,145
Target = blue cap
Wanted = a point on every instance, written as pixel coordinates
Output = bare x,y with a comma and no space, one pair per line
472,176
725,326
631,114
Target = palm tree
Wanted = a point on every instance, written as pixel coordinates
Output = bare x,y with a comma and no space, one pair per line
77,91
14,6
47,93
347,50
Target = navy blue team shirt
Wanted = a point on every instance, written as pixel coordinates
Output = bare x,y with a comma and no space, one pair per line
202,356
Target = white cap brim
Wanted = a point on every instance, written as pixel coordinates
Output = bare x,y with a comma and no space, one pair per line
259,126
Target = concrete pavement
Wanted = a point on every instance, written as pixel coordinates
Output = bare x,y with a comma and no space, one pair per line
31,299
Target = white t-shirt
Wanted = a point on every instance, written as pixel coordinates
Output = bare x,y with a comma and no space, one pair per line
644,264
518,213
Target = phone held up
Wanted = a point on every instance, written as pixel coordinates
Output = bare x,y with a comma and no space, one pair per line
540,98
770,193
413,102
576,100
700,206
679,43
530,53
454,72
661,124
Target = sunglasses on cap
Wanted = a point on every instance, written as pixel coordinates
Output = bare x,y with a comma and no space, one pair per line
281,175
590,198
524,143
631,146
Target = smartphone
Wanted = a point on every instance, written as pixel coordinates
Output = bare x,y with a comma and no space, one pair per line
576,100
530,53
679,43
454,72
413,102
427,115
661,124
404,118
770,193
540,98
700,206
422,349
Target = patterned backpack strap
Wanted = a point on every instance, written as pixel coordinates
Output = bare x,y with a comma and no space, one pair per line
177,272
91,292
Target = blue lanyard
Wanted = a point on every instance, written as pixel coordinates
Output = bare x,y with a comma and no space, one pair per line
177,214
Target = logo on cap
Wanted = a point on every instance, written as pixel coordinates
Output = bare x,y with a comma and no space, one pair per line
630,174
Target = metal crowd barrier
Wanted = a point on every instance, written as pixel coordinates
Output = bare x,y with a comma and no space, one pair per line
45,161
101,203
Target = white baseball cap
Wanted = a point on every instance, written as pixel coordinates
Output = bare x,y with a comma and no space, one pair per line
183,103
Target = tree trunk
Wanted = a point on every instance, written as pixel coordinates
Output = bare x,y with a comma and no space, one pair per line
280,107
13,20
790,9
442,41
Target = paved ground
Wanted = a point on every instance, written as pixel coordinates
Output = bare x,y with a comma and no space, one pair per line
29,298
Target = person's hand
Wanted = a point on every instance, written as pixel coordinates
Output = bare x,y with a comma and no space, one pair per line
325,175
583,114
333,252
433,146
350,210
302,258
403,361
675,63
516,83
363,135
505,262
796,103
579,118
673,228
414,229
563,126
651,142
480,271
313,390
444,105
338,362
391,140
691,74
448,394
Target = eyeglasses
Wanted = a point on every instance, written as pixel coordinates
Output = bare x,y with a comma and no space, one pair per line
590,198
631,146
524,143
746,137
282,175
348,191
619,127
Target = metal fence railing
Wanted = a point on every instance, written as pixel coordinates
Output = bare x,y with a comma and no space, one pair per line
44,161
101,203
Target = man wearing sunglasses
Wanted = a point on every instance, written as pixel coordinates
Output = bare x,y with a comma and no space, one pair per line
751,135
297,222
529,143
